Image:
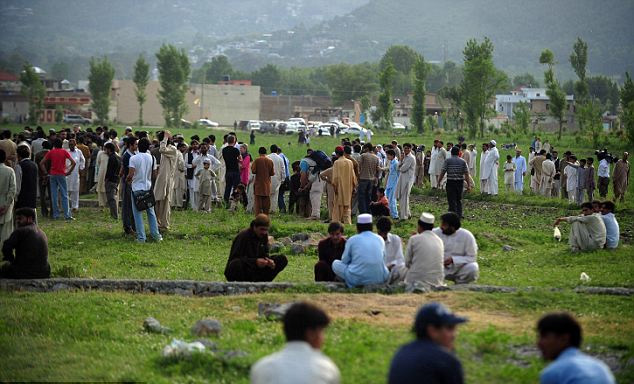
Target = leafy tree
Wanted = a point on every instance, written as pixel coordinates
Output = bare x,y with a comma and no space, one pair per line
348,82
268,78
606,90
418,109
366,104
455,96
627,103
141,79
33,90
480,82
173,67
522,116
579,59
60,70
213,71
557,104
59,114
526,80
100,83
402,57
590,112
449,75
386,104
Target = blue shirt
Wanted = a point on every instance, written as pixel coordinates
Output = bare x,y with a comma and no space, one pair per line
611,230
392,178
520,168
423,361
363,255
286,165
575,367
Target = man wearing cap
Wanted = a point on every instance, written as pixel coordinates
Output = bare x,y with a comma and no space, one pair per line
520,170
406,178
460,250
490,172
430,357
536,163
424,255
249,258
362,262
457,172
548,175
438,156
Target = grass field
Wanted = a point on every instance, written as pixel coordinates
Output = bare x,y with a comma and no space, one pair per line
96,336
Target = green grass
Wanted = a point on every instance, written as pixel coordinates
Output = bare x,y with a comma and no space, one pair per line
99,336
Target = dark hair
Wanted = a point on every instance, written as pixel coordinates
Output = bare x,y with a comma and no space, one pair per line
110,146
383,224
130,141
3,156
464,146
273,148
23,152
6,134
407,145
357,148
608,205
382,190
262,151
452,219
295,165
425,226
597,202
549,156
561,324
26,212
335,226
364,227
301,317
58,143
212,138
144,145
347,149
509,157
587,204
46,144
455,151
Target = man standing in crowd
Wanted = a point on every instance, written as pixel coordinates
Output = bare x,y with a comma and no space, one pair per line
587,231
42,182
611,225
232,159
559,340
277,178
126,208
536,177
142,166
424,255
112,180
368,170
9,147
301,360
281,204
263,169
431,356
520,170
438,156
590,183
548,176
311,181
483,179
621,177
55,160
472,160
406,179
344,182
72,180
457,172
604,175
26,249
85,150
25,179
491,163
7,195
557,178
362,262
249,258
461,250
164,184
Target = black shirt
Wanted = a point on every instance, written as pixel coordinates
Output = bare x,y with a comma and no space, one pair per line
28,187
30,260
425,361
231,154
112,172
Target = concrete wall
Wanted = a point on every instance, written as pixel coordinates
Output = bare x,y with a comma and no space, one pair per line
220,103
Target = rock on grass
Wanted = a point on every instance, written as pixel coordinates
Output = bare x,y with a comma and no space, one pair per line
206,327
152,325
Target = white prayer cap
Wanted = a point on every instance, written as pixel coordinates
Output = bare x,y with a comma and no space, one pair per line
493,142
364,218
427,218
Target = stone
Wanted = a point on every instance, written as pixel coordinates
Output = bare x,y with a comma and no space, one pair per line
273,311
178,349
300,237
152,325
507,248
232,354
296,249
210,345
183,292
60,287
276,247
206,327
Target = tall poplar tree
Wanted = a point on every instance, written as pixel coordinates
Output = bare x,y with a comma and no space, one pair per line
557,103
100,78
141,79
174,69
33,90
386,104
418,109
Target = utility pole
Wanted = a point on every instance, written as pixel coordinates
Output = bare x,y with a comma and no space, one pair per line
202,91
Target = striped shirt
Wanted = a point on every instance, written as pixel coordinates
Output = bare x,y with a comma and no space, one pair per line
455,167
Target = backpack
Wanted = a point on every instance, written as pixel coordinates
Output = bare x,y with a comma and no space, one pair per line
321,160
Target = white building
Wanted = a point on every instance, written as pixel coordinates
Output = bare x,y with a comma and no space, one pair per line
535,97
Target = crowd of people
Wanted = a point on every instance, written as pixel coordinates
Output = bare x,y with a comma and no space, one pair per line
430,358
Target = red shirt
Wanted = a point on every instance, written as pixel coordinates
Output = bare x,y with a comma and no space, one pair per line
58,157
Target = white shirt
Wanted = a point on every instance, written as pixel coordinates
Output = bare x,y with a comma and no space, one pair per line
278,167
483,157
604,168
424,259
198,161
142,164
460,245
472,158
297,363
571,174
394,251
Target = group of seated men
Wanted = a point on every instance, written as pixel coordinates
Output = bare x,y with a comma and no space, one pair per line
432,255
595,228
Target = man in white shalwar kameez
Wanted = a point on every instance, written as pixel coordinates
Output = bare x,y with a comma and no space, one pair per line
483,180
72,180
491,163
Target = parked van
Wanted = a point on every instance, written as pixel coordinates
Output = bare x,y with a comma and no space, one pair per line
253,125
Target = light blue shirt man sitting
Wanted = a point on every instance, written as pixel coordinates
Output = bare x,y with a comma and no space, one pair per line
611,225
362,260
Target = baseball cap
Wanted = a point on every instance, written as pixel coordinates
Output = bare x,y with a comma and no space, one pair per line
436,314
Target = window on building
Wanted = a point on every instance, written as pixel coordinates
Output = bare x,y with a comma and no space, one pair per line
538,94
547,107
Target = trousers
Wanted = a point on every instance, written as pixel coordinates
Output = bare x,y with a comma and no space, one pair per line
454,196
111,198
261,204
238,270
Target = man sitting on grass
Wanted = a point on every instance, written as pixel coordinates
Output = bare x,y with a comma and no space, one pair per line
611,225
26,250
301,360
362,262
249,258
460,250
587,231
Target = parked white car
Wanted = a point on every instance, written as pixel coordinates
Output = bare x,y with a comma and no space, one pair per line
325,129
253,125
208,123
292,127
398,126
